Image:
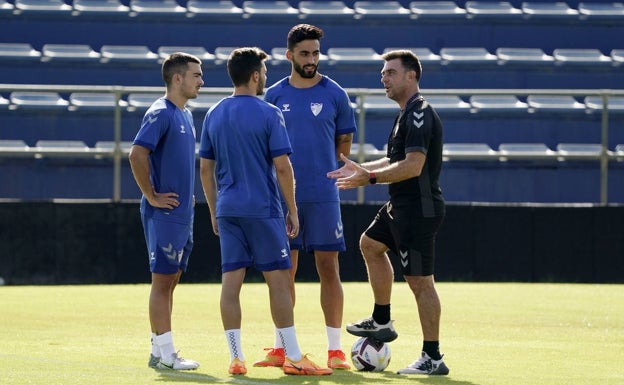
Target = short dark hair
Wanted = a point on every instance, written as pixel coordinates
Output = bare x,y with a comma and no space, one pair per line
243,62
409,60
177,63
301,32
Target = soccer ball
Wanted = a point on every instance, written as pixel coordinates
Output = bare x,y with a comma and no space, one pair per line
370,355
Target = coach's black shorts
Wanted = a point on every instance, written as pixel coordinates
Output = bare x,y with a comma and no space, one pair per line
410,236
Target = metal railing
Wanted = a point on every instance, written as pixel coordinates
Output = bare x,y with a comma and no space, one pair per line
360,95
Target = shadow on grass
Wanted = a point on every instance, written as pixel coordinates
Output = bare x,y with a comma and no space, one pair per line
186,376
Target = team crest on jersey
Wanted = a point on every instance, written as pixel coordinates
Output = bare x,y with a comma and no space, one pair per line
316,108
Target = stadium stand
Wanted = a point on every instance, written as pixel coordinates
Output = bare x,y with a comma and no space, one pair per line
463,45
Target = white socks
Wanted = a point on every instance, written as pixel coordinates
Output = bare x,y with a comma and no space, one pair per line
289,341
165,343
233,339
333,338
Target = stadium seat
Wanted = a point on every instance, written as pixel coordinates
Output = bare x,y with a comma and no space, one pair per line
223,10
617,56
204,102
615,104
448,103
278,10
619,152
61,148
436,10
100,8
12,144
93,101
108,146
553,103
598,11
339,56
42,7
492,10
222,54
128,54
579,151
545,10
380,10
497,103
580,56
325,10
525,151
69,52
4,102
425,55
523,56
6,8
156,8
380,104
37,100
18,52
468,151
141,102
199,52
466,55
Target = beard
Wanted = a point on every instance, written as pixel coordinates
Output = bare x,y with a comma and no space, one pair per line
306,74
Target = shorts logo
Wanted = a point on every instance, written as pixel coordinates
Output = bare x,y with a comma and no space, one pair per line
316,108
284,253
172,254
403,258
339,233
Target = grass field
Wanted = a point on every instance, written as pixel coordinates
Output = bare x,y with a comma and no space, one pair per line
492,334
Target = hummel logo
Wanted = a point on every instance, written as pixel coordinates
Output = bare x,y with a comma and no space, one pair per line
418,123
284,253
338,232
182,129
169,252
286,107
403,258
153,117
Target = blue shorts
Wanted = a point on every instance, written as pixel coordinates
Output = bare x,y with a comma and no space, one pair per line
259,242
169,245
320,227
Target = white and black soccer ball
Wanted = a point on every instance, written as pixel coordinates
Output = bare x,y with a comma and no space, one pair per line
370,355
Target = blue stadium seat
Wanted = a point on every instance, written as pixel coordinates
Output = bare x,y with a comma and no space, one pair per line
278,10
548,11
601,11
325,10
502,10
203,102
141,102
554,103
436,10
156,8
467,55
497,104
200,52
61,148
13,144
93,101
579,151
69,52
615,104
100,8
128,54
223,10
523,56
354,56
42,7
617,56
18,52
380,10
580,56
425,55
37,100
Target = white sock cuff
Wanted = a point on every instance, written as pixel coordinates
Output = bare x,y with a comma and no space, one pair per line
164,339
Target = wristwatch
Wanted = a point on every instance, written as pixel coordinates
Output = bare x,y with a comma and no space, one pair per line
372,178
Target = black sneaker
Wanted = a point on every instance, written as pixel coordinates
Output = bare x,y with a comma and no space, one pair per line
426,365
369,328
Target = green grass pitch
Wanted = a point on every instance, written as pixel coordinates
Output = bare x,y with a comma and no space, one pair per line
492,334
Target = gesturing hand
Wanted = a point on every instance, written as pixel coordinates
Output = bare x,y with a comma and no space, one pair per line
350,175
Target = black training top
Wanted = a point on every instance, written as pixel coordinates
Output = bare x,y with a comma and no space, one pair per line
418,128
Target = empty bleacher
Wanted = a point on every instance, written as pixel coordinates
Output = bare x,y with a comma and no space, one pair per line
463,45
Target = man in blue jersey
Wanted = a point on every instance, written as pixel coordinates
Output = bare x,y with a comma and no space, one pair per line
162,159
244,166
409,222
320,123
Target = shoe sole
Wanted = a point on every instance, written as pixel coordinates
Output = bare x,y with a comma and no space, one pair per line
383,335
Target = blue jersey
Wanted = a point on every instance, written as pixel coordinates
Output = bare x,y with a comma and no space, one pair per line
170,134
314,117
243,134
